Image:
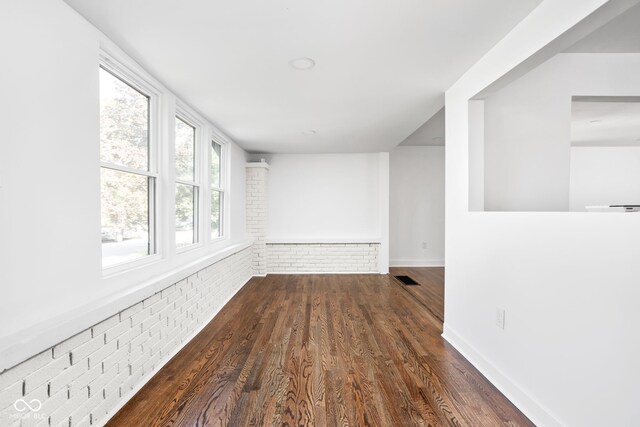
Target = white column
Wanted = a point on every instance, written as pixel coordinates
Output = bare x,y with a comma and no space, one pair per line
257,174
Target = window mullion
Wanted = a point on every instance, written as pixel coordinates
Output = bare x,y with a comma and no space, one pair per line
152,215
196,214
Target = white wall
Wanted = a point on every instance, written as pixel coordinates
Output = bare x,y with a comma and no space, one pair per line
568,281
416,206
476,155
51,281
604,176
323,196
237,192
528,127
329,198
430,133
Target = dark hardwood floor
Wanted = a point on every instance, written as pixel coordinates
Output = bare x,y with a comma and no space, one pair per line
316,350
430,293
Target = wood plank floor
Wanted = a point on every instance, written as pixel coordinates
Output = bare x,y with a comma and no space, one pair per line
316,350
430,293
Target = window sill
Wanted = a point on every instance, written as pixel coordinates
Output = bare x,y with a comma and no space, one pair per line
22,344
127,266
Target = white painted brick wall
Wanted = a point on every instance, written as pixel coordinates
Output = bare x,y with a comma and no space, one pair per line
256,217
322,257
80,380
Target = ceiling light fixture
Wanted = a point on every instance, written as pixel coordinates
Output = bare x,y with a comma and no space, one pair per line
302,63
594,121
436,138
309,132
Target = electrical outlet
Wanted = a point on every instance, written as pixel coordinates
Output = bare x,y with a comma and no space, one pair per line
500,312
424,245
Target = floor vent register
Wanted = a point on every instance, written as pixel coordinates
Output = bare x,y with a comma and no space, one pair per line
408,281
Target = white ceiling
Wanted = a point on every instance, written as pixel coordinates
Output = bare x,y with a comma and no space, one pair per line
620,35
432,133
382,66
606,123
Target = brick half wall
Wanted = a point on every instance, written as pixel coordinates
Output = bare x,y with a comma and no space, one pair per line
83,380
322,257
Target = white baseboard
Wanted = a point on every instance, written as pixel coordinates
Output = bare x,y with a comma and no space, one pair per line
539,415
438,262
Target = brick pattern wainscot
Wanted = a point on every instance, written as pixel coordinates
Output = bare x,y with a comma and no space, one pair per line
81,380
322,257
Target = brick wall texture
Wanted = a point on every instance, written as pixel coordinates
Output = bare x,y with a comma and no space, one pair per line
80,380
256,213
322,257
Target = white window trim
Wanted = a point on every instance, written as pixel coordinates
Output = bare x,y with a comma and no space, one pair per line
185,114
225,180
126,73
168,105
223,188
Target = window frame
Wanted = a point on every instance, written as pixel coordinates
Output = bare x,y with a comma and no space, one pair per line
214,137
128,76
182,113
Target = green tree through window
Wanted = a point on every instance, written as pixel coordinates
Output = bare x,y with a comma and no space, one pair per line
187,188
127,184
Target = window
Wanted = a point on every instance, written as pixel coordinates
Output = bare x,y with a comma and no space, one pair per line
128,177
187,187
217,192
